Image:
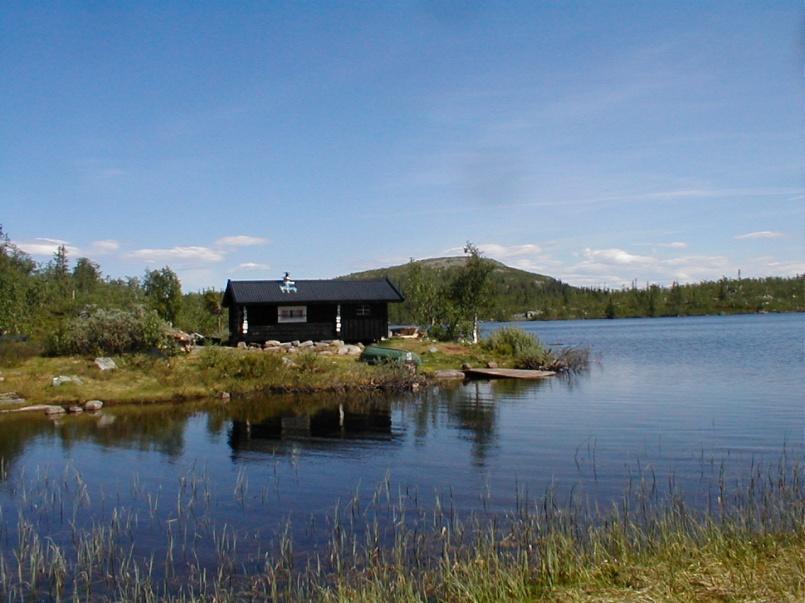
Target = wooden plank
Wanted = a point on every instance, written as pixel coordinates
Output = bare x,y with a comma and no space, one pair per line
504,373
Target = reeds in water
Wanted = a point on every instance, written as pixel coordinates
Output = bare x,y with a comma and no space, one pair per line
388,546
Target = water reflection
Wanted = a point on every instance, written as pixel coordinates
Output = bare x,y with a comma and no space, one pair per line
341,422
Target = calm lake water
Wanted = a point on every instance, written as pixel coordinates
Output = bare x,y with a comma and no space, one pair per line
680,398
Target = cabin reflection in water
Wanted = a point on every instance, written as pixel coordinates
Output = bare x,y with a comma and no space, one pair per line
323,428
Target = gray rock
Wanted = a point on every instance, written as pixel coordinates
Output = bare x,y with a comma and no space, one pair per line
342,350
306,344
491,364
105,364
295,343
286,345
354,350
321,344
75,410
10,398
53,410
93,405
466,366
62,379
272,343
242,345
449,374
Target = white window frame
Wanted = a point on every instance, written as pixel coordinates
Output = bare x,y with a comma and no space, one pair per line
291,309
363,310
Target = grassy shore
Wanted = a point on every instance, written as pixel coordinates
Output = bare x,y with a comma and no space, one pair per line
207,372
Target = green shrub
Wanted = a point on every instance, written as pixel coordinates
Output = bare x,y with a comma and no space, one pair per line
101,331
513,342
226,363
13,353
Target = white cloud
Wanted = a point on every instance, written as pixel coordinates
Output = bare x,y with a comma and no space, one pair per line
615,256
495,250
761,234
197,253
673,245
46,247
240,241
251,267
104,247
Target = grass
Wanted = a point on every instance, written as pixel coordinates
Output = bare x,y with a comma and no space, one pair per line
141,378
748,545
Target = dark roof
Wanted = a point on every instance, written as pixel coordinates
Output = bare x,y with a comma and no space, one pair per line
268,292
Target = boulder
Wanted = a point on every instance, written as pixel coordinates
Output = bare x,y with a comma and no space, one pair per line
75,409
491,364
295,343
466,366
62,379
354,350
306,344
449,374
51,410
93,405
342,350
242,345
105,364
286,345
321,344
272,343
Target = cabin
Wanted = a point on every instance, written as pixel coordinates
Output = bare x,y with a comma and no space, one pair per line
287,310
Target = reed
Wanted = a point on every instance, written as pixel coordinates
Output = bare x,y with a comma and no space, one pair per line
748,542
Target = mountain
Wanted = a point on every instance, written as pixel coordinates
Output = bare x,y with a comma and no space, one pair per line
513,291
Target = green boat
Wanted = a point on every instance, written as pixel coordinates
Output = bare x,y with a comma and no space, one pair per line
376,355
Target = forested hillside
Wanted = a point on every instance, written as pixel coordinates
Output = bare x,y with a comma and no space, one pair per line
514,293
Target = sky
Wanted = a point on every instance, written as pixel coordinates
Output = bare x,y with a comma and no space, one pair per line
597,142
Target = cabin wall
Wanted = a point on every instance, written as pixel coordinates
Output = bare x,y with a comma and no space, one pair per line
359,323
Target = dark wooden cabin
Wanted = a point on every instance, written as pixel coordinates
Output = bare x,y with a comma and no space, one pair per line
286,310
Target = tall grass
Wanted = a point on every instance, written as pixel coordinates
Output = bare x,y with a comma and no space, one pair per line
528,352
748,542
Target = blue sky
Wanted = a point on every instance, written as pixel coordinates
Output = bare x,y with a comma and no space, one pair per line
596,142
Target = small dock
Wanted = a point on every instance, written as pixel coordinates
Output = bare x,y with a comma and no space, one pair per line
506,373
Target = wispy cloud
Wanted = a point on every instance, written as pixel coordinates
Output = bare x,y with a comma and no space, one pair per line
673,245
43,247
761,234
196,253
240,241
104,247
498,251
251,267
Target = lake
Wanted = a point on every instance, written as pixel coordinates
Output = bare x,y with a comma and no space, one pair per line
681,401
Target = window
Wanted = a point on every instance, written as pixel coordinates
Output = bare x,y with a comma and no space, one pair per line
363,310
292,314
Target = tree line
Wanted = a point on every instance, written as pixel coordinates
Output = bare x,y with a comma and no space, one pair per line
37,298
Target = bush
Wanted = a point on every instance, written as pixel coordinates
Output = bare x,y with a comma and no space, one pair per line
513,342
100,331
15,352
226,363
525,348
